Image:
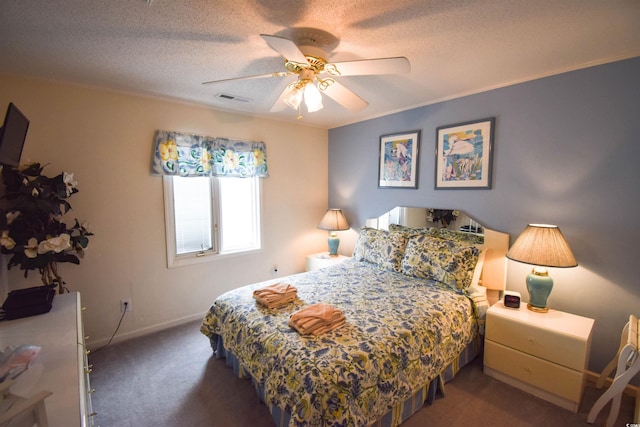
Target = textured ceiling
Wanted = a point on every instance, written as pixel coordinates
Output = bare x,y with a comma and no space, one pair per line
169,47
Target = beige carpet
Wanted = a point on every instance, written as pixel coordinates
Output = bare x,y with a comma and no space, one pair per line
170,379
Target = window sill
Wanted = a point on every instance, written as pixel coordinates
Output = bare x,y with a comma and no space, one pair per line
185,260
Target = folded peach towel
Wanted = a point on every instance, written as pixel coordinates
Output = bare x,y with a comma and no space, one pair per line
276,295
316,319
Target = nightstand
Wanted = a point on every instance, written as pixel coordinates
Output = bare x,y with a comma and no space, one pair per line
544,354
322,260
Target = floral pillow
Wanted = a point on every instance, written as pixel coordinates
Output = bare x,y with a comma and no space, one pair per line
457,236
445,261
381,247
411,231
443,233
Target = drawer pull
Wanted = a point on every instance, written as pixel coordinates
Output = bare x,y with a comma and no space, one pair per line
530,339
527,370
93,414
91,391
88,370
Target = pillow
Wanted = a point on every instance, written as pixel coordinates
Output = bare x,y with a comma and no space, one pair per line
411,231
447,262
457,236
381,247
443,233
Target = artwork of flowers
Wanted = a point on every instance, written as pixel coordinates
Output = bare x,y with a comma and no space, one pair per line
398,160
184,154
463,154
32,224
442,216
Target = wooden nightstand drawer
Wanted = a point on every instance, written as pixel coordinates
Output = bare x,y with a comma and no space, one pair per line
544,354
565,350
547,376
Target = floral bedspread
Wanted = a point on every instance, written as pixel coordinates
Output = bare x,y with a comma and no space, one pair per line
400,333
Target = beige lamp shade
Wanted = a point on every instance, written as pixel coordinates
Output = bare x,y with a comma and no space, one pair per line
333,220
543,245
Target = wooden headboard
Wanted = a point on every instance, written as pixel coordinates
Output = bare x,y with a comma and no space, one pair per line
494,271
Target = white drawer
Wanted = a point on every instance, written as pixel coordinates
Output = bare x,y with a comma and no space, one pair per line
566,350
556,379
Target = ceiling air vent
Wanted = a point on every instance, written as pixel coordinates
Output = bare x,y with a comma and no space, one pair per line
228,97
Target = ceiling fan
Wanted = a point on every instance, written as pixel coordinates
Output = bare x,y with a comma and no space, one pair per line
306,56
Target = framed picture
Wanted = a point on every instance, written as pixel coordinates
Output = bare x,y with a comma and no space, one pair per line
464,155
398,161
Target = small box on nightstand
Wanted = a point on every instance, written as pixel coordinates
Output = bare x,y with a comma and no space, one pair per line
511,299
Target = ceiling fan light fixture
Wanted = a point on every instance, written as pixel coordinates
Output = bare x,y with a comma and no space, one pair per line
312,98
294,97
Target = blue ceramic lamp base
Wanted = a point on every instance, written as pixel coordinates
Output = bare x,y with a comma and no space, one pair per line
539,285
334,242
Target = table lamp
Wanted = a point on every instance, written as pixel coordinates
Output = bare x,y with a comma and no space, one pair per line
543,246
333,221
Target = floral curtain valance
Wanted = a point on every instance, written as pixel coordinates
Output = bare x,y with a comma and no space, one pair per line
183,154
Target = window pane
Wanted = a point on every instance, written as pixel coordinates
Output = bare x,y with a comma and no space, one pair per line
192,210
239,214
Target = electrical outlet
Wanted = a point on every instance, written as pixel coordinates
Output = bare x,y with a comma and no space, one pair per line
125,305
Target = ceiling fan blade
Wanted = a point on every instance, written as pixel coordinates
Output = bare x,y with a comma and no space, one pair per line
285,47
258,76
365,67
345,97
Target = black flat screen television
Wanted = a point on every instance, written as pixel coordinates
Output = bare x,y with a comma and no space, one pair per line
12,136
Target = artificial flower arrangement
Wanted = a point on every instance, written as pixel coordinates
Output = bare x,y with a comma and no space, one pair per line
33,231
443,216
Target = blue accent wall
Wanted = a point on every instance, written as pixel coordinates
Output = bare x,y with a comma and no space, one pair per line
566,152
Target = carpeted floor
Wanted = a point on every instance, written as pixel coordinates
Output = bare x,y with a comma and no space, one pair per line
169,379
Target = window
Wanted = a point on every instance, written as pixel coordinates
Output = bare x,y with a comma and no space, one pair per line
209,217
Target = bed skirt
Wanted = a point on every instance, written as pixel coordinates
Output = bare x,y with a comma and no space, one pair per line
396,415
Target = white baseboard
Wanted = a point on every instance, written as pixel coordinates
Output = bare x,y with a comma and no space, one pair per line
144,331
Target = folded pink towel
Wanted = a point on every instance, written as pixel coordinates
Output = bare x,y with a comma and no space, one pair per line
316,319
276,295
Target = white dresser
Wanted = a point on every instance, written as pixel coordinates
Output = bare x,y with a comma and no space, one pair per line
61,366
544,354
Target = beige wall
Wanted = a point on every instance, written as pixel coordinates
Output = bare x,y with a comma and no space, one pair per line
105,139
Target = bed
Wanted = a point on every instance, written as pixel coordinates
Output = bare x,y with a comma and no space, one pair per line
414,304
